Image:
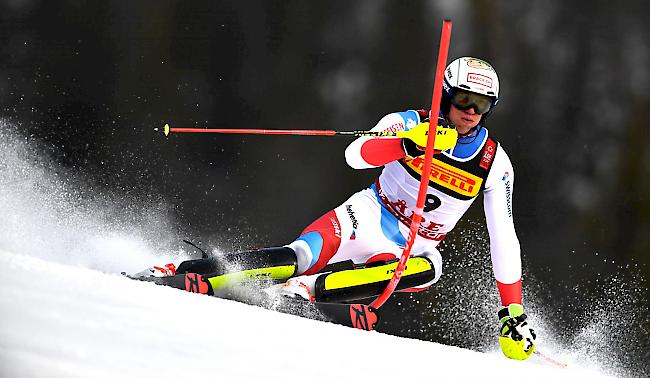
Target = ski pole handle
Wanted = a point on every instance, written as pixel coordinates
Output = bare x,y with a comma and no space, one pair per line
445,137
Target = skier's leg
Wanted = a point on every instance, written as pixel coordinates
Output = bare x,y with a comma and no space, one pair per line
265,257
353,228
318,243
311,251
435,258
371,237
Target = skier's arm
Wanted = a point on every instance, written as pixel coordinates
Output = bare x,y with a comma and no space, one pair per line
517,338
504,245
372,152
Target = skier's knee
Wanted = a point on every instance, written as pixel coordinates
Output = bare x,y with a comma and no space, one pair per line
434,257
426,281
317,243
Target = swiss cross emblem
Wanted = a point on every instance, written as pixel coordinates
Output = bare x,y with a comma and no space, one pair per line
488,154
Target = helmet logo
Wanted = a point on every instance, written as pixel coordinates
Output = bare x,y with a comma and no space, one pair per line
479,79
477,63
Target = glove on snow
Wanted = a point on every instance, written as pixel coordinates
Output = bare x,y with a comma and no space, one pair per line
516,336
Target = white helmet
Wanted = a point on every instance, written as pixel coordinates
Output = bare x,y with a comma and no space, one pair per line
472,75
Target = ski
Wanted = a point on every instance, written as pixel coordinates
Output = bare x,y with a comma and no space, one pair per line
359,316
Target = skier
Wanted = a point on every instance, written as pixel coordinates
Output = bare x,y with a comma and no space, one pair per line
351,252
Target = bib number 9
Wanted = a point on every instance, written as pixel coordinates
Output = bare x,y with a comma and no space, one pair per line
431,203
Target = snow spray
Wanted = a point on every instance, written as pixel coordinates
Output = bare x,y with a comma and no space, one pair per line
590,326
50,212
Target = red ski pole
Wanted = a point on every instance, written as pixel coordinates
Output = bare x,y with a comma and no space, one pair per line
416,218
168,130
446,138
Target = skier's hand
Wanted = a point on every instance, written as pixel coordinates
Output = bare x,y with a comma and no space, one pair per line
414,149
516,335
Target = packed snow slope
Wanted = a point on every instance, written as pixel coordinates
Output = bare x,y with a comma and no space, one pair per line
68,321
65,310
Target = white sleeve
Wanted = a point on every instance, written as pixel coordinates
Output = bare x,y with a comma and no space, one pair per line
497,203
390,122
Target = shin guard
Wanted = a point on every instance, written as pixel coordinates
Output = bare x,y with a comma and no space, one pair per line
259,265
210,275
366,282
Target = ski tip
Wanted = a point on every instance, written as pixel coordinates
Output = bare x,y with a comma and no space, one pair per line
166,129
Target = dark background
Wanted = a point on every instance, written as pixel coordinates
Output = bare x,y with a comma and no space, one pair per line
91,80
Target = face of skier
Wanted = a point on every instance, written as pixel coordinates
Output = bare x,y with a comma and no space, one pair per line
464,120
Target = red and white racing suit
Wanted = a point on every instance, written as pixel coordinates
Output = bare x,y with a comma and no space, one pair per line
373,224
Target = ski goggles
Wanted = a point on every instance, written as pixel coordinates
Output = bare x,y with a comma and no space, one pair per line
464,100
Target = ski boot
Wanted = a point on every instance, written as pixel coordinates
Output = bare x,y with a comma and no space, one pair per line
156,271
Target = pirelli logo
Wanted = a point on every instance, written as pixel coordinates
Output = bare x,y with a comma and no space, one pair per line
448,176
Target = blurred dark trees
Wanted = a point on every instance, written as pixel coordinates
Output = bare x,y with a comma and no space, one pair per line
93,79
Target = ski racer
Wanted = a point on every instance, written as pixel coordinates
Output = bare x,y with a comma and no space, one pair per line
350,252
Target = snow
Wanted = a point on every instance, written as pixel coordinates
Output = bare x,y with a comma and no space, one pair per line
65,310
61,320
